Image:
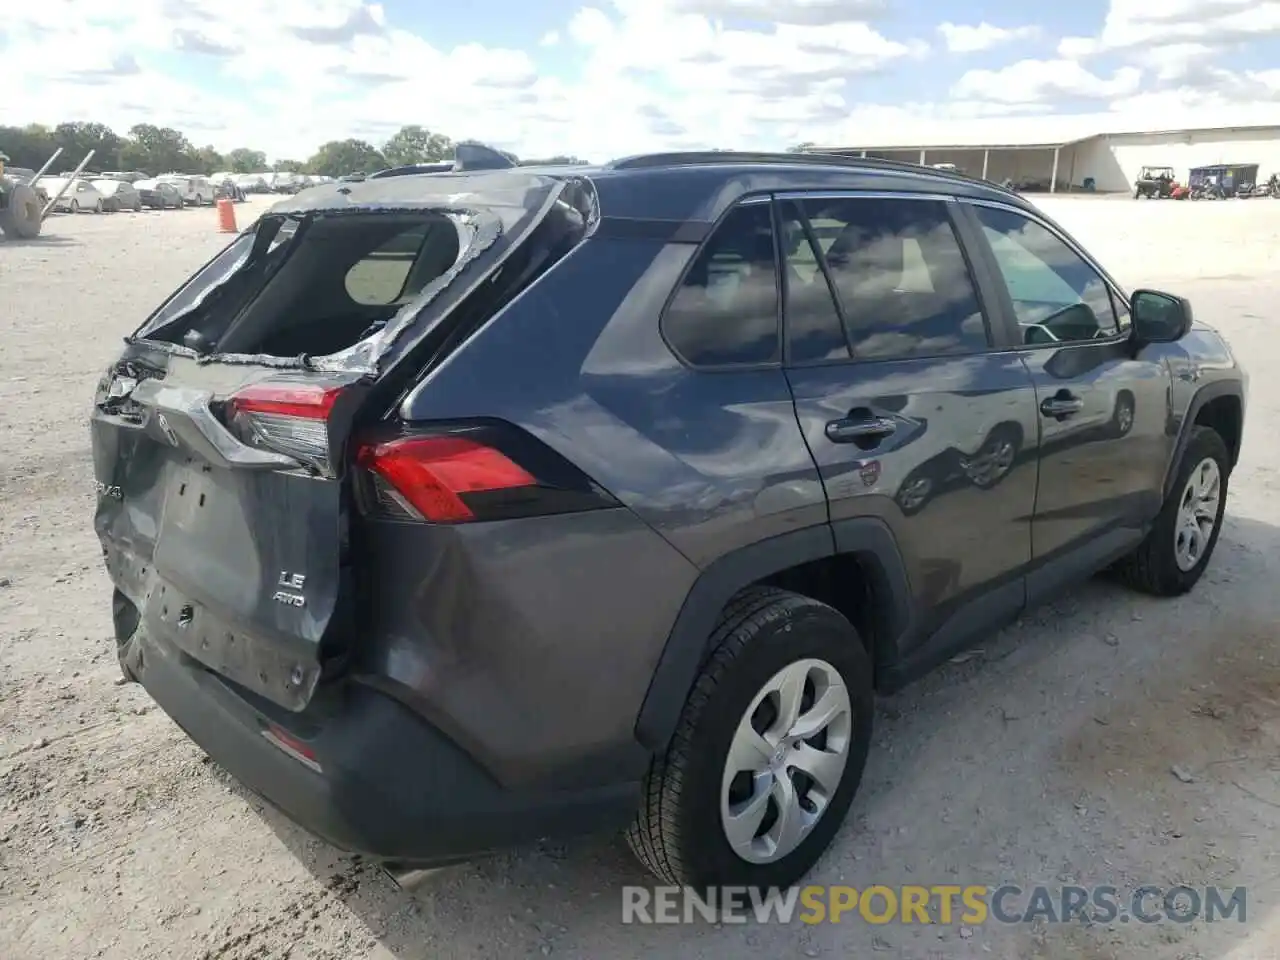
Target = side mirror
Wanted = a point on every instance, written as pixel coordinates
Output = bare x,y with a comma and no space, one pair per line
1159,317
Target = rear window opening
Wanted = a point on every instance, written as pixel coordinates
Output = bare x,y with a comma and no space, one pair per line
312,285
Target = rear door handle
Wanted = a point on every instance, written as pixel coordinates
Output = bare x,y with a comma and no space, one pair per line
1061,406
853,429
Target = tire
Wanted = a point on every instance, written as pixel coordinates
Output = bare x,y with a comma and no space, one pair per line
20,219
75,206
199,200
1122,415
1157,566
679,833
97,206
137,206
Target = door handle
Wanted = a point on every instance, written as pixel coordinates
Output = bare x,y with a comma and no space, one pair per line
852,429
1062,406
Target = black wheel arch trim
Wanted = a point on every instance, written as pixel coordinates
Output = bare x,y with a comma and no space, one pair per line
688,643
1207,393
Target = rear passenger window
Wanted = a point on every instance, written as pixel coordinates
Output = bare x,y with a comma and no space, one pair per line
900,278
726,309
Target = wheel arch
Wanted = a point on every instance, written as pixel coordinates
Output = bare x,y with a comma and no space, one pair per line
1219,405
852,565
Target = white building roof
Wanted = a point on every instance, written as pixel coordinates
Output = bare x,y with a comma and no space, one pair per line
1047,131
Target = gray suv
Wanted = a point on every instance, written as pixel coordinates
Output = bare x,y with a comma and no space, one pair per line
452,511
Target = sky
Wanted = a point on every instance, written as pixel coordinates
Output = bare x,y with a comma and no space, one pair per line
617,77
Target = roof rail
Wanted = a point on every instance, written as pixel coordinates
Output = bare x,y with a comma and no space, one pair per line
697,157
708,157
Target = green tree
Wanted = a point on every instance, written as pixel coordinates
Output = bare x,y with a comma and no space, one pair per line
208,160
244,160
560,160
77,139
157,150
339,157
801,147
416,144
290,166
28,146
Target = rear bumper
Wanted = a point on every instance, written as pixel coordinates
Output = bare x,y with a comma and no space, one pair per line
390,786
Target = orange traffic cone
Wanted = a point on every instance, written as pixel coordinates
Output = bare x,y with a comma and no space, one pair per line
226,216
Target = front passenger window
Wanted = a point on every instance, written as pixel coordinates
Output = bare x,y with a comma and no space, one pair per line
1057,296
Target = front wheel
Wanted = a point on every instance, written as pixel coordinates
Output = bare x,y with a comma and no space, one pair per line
97,206
1173,557
75,206
769,749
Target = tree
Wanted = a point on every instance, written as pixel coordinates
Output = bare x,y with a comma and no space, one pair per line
338,157
801,147
290,166
156,150
416,144
208,160
77,139
244,160
559,160
28,146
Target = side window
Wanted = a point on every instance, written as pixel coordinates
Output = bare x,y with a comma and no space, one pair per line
809,308
900,277
1057,297
1122,312
726,309
400,267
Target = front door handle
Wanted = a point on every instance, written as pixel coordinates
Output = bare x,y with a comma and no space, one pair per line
855,429
1062,406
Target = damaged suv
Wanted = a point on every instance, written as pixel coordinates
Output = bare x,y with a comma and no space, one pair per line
448,512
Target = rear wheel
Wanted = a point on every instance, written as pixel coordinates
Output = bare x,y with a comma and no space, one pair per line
1175,553
769,750
75,206
97,206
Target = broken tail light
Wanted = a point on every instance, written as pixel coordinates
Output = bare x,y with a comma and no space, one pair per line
289,418
472,473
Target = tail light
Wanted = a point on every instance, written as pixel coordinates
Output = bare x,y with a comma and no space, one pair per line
471,473
290,418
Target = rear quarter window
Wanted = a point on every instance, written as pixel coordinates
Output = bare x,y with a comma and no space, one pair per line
725,311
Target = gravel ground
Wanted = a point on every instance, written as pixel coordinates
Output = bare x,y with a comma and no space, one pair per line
1044,758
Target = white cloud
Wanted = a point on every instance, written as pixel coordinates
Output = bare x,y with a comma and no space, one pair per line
961,38
1137,26
1041,81
628,75
649,73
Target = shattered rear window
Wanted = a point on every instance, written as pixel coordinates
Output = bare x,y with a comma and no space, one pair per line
314,285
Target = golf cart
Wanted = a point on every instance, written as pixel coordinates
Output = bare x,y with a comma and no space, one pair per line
20,207
1154,183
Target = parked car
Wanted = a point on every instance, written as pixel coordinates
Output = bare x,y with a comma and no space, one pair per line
159,195
129,176
26,175
229,190
649,572
195,191
118,195
80,197
253,183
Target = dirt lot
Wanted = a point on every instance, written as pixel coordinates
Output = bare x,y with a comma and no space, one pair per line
1045,758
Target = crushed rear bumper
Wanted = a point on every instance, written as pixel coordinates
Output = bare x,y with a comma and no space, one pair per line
388,786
